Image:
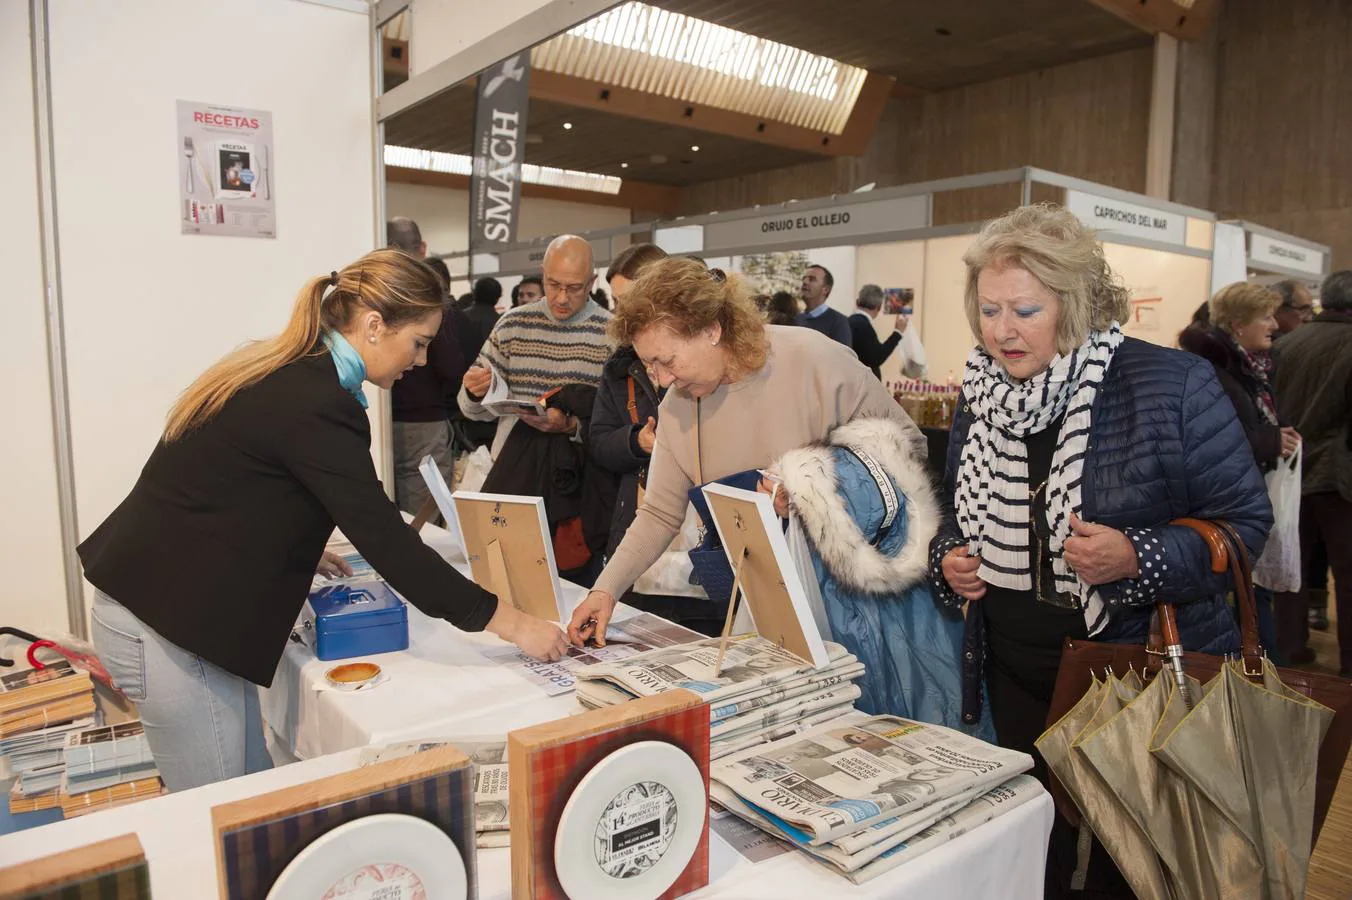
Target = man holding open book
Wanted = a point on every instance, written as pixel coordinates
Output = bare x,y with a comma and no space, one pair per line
540,367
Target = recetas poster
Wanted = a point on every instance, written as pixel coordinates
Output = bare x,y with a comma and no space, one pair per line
225,171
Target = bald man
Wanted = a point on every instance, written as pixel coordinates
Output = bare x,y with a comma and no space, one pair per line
553,342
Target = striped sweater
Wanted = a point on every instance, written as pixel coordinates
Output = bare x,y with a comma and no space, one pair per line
536,353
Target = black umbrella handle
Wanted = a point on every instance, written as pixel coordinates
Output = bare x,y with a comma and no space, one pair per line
5,661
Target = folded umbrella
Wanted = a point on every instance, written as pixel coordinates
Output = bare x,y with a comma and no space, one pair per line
1204,855
1125,840
1252,750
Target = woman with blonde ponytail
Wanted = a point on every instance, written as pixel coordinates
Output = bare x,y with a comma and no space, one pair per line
201,572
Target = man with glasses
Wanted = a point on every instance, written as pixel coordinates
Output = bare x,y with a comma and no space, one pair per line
540,346
559,344
1297,306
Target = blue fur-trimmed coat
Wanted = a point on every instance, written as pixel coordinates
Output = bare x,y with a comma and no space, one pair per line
874,580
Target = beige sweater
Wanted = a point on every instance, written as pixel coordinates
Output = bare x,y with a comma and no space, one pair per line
808,386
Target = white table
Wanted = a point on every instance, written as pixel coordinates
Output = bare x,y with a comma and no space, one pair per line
1002,860
443,687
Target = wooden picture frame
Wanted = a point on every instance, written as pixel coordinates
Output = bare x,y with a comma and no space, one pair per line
114,869
256,838
510,550
546,762
753,537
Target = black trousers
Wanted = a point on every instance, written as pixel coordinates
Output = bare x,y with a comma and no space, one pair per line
1020,697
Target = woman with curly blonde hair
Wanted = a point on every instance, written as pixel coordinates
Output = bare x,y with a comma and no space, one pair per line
1073,447
739,395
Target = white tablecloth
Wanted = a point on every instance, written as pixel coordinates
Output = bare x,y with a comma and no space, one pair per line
1002,860
443,687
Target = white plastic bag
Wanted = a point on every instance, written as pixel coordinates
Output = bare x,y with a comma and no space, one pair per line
1278,569
670,575
916,364
475,473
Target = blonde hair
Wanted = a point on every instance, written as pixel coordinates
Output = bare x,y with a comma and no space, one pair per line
1057,249
1241,303
392,283
686,297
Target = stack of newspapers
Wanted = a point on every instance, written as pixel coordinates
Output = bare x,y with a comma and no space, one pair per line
489,755
762,693
864,794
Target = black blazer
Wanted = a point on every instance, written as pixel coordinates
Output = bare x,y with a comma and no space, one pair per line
871,351
217,543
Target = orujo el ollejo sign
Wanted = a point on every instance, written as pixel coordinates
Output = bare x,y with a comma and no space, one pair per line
499,150
800,223
1112,216
847,220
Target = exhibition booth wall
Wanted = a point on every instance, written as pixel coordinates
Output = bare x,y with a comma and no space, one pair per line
910,240
142,307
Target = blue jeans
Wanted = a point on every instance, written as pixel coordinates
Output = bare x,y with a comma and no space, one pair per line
203,723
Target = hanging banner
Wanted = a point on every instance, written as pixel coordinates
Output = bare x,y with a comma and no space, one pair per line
499,149
1269,251
225,167
843,221
1133,220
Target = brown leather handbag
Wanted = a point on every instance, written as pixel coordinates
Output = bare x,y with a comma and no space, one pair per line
1081,660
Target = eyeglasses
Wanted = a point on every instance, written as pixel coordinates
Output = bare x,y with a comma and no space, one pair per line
1305,311
1044,574
553,288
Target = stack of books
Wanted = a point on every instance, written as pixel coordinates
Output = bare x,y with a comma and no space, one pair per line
108,766
73,805
761,693
39,710
35,699
37,759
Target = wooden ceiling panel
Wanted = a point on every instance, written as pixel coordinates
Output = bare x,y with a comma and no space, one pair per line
986,38
597,142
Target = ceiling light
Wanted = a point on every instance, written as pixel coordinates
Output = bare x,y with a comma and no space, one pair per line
694,147
460,164
567,126
624,165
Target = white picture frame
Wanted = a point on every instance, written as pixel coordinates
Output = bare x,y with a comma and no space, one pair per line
526,544
772,589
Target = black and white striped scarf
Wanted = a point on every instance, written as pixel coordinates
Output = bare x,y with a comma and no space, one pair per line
993,497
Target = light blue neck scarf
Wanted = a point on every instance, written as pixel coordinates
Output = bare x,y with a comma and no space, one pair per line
351,368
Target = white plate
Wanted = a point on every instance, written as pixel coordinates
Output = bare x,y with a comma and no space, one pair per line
376,854
631,825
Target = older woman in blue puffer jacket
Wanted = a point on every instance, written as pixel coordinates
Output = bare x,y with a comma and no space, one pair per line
1072,449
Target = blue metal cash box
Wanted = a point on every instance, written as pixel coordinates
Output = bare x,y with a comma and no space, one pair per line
356,620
